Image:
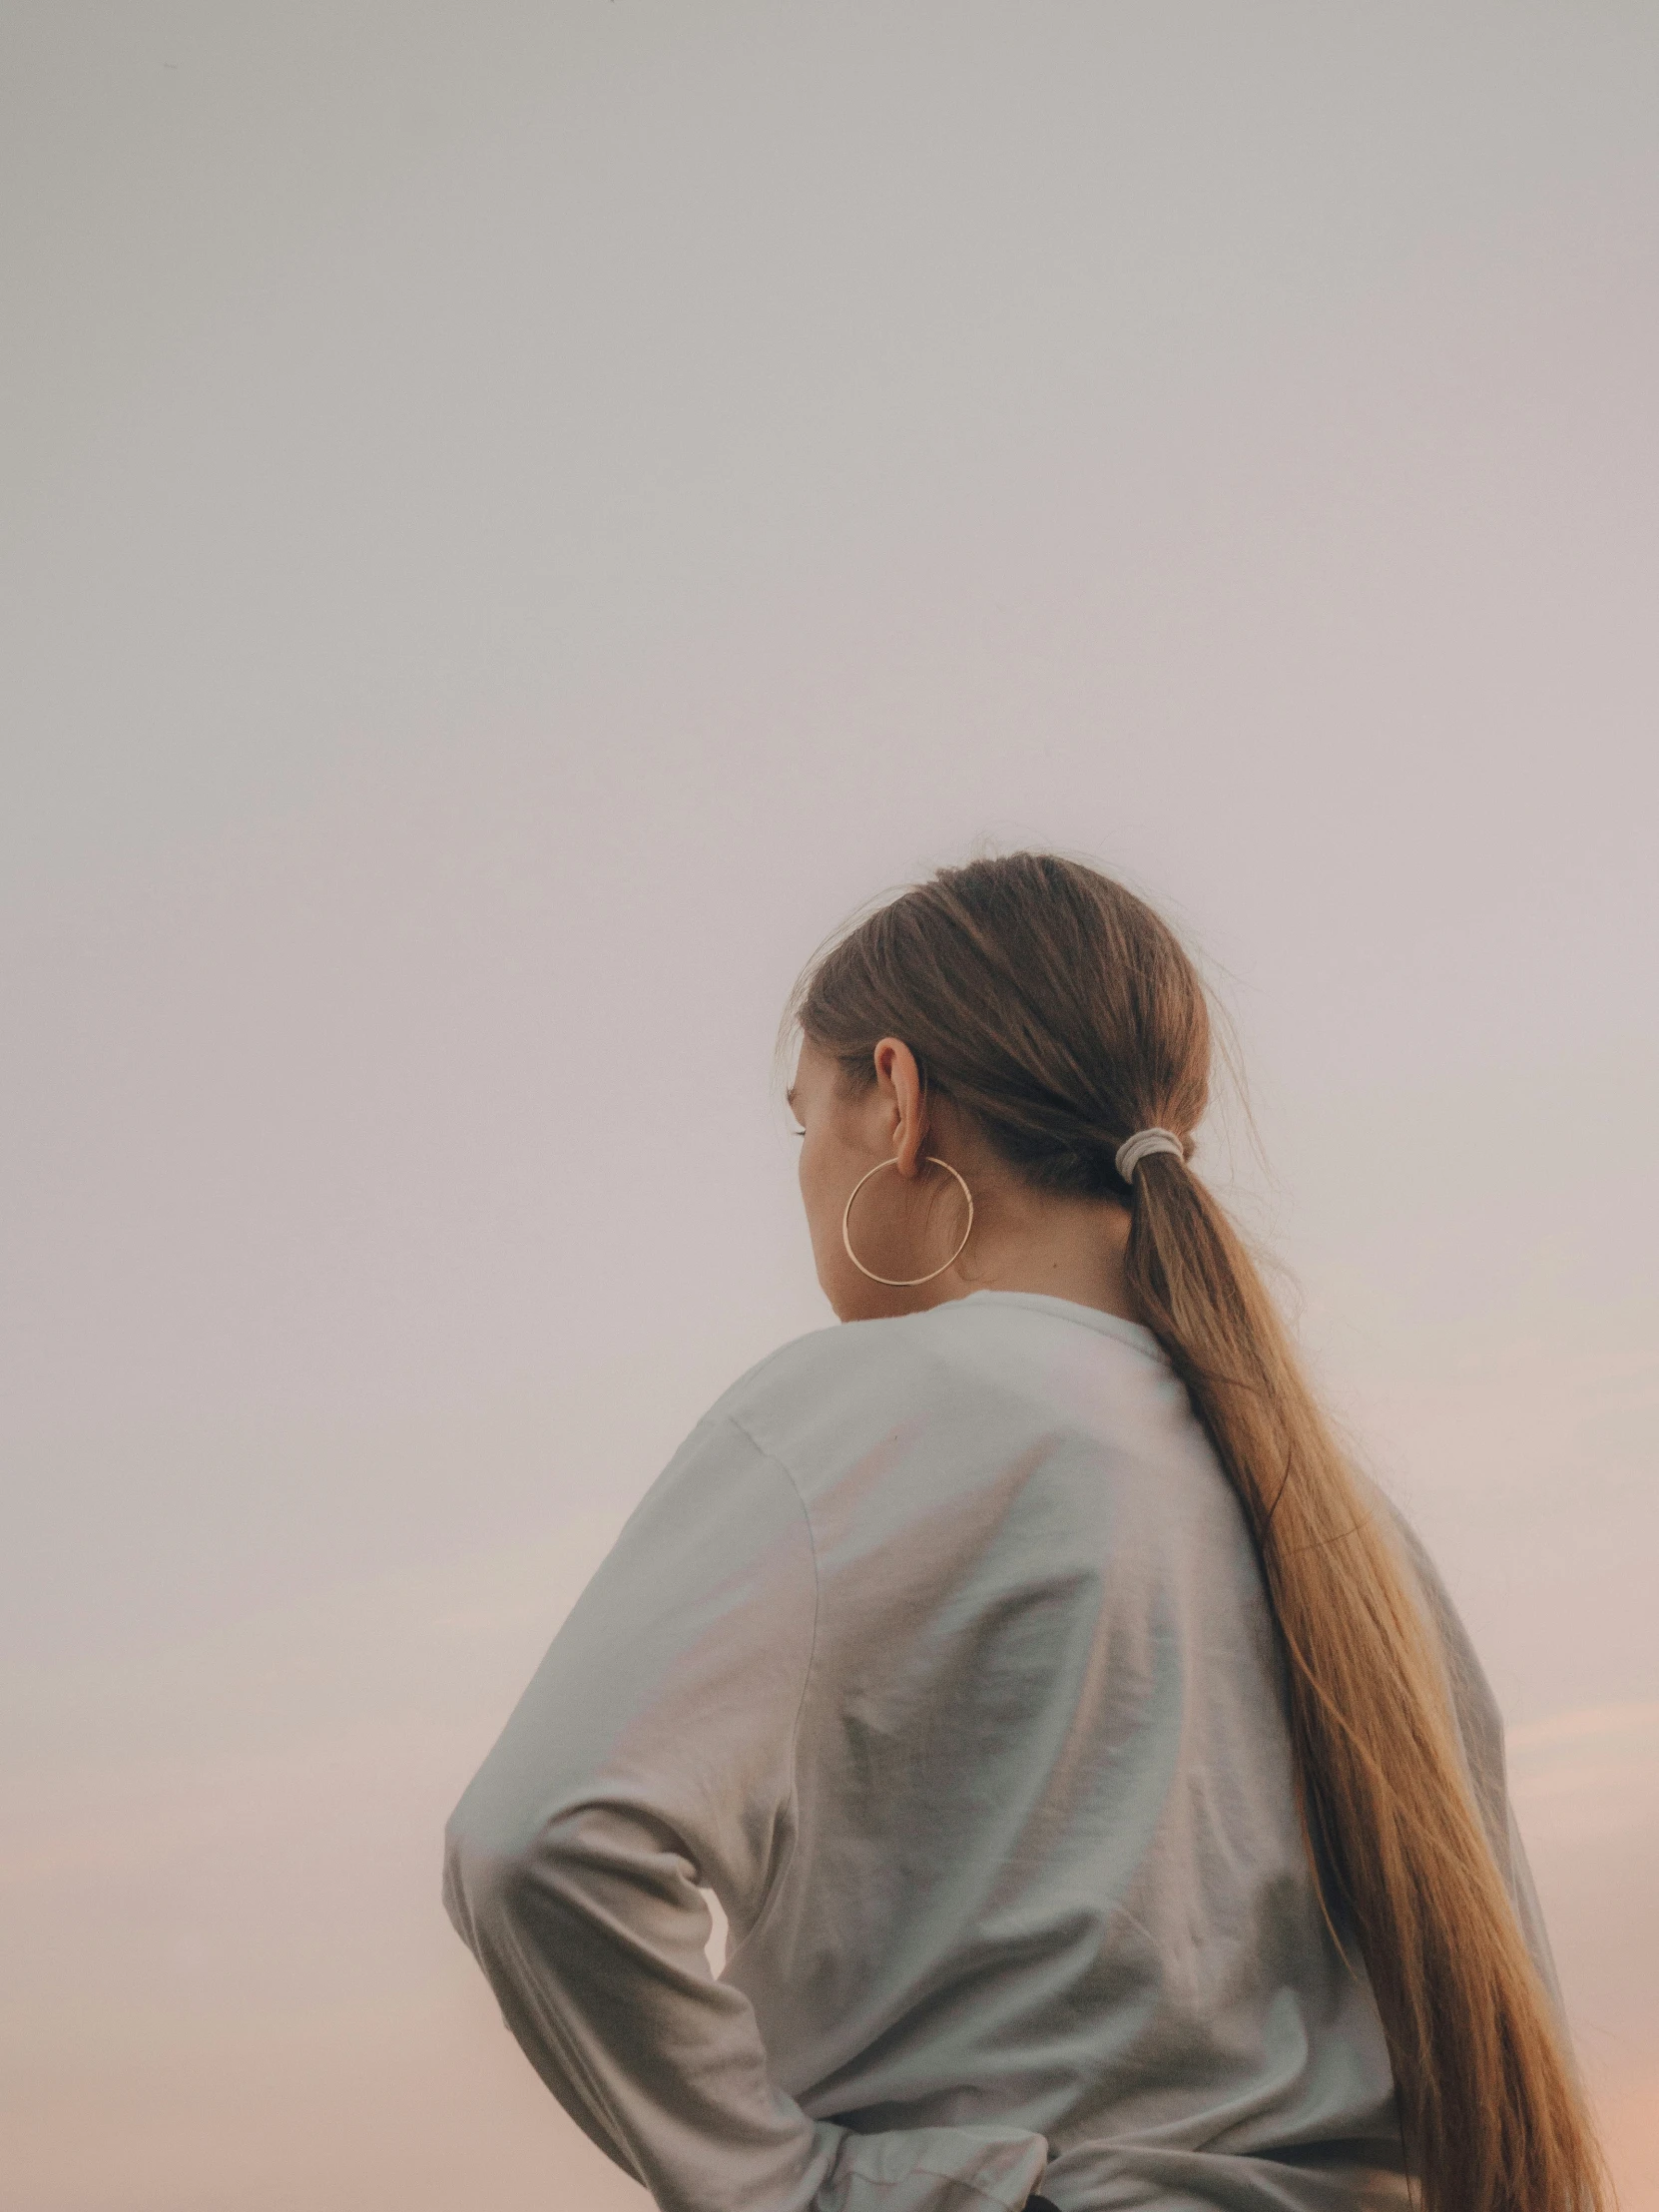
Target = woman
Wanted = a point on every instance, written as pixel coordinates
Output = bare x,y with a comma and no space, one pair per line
1106,1804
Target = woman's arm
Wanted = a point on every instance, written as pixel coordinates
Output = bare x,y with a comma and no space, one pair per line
1480,1731
654,1751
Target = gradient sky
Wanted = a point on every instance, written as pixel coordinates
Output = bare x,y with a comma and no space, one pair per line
518,518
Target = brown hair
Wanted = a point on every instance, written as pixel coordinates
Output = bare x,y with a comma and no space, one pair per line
1060,1011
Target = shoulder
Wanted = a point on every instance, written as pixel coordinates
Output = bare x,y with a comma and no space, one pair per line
843,1361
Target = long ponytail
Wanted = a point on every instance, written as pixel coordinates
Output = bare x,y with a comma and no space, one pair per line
1491,2116
1060,1012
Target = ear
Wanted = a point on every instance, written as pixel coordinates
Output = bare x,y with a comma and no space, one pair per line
899,1081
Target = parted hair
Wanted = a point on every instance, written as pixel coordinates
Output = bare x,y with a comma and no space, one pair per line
1056,1009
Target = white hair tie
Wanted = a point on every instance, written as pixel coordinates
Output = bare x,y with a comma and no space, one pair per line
1135,1149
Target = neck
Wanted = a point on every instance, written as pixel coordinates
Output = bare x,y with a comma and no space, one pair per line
1026,1239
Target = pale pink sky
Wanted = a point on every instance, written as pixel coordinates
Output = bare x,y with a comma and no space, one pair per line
518,518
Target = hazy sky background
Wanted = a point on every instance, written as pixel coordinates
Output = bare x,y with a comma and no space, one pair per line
518,518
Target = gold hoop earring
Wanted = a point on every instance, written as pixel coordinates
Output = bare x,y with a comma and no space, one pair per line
903,1282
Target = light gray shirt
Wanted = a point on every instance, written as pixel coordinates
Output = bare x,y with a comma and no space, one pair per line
939,1654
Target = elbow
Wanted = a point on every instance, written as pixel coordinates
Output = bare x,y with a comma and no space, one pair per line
516,1876
485,1874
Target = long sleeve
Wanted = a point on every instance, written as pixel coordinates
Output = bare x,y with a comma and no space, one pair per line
652,1753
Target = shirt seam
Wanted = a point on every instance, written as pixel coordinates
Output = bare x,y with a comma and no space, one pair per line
793,1801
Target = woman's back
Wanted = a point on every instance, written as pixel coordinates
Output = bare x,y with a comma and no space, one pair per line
941,1648
1049,1869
